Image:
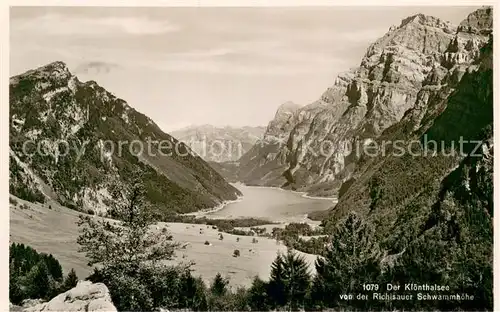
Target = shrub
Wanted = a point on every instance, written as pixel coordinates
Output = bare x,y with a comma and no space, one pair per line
70,281
24,192
163,286
128,293
236,253
207,243
240,232
13,201
259,230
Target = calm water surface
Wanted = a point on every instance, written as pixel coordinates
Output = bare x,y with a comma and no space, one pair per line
273,204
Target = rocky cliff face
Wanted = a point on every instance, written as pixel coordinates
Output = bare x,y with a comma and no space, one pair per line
78,144
219,144
409,68
432,209
263,163
392,181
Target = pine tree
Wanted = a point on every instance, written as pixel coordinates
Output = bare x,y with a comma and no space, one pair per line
319,296
188,288
290,280
219,285
220,297
276,283
193,292
349,252
125,245
38,281
297,279
16,294
70,281
54,267
200,299
258,298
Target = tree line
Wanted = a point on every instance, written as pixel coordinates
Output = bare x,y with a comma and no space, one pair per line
34,275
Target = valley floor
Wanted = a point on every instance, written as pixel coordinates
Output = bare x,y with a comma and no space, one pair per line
55,231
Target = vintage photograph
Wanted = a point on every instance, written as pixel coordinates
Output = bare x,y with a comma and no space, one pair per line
301,158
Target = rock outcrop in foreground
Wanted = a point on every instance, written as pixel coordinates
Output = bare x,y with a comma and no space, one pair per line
411,68
86,296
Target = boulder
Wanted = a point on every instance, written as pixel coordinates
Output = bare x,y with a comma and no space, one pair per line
86,296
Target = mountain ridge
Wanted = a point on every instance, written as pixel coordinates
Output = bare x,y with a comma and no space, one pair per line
50,106
219,144
403,69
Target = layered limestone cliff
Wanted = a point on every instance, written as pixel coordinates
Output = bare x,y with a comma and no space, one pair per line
431,211
409,68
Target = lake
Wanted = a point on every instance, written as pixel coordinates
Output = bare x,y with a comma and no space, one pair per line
272,204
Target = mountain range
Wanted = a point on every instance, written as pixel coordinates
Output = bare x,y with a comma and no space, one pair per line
409,69
219,144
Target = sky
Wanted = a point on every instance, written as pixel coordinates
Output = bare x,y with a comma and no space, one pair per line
194,66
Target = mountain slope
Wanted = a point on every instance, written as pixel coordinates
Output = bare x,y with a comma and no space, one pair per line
409,67
78,128
432,213
261,164
219,144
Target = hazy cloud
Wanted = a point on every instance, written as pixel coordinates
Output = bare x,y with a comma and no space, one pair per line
95,67
58,24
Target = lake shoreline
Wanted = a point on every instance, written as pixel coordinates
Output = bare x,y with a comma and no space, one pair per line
204,212
304,194
273,204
